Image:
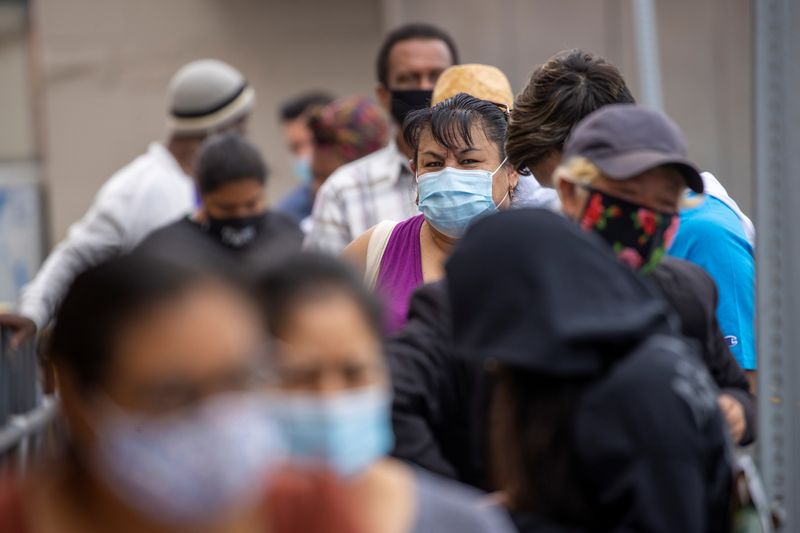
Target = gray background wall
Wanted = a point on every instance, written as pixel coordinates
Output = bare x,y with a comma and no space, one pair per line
98,70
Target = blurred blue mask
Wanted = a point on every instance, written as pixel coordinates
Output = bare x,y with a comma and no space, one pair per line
345,431
301,168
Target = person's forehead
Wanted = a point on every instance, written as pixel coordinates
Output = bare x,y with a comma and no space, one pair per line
208,330
419,55
479,140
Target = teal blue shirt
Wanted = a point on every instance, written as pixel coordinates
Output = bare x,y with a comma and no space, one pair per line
712,236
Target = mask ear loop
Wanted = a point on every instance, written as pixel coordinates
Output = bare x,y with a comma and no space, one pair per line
508,191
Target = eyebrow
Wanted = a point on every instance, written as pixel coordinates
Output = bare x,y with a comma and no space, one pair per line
459,152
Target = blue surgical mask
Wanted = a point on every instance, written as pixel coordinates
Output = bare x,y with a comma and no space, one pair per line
190,467
301,168
452,198
345,431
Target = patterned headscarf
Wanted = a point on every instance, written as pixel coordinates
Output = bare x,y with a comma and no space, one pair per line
353,126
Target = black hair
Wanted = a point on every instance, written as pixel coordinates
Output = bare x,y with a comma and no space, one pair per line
409,32
227,158
307,276
101,301
299,106
451,121
559,94
532,419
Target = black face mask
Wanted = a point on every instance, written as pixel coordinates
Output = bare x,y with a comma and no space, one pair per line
404,102
236,233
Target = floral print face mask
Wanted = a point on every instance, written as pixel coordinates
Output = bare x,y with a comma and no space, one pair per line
639,236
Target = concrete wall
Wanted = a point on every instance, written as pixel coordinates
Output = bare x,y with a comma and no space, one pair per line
104,66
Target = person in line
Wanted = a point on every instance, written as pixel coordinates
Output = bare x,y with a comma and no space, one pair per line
155,189
461,170
333,401
231,233
343,131
559,93
573,84
294,114
380,186
603,418
624,174
719,237
161,384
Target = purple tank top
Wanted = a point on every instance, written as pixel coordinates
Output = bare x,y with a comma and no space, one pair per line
400,271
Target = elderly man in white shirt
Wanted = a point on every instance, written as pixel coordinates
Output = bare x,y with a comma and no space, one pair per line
380,186
156,188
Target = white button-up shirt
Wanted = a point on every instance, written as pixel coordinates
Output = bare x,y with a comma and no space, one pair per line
359,195
148,193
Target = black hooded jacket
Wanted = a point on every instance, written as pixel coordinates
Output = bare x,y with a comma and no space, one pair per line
654,457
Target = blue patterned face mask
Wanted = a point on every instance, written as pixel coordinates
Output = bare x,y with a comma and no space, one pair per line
452,198
345,431
190,467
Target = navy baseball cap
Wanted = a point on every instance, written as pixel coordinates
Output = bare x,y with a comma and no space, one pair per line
624,140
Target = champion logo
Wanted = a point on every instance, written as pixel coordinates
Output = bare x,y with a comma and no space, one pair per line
731,341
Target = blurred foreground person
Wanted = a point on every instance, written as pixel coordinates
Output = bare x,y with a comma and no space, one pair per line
160,375
624,174
603,418
231,232
380,186
299,139
462,174
334,401
345,130
155,189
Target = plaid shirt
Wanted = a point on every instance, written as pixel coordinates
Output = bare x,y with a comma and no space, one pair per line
358,196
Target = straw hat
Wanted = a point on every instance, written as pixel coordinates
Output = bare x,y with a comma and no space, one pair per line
206,95
481,81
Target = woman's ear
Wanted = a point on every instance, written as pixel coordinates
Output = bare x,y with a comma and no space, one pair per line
413,166
513,177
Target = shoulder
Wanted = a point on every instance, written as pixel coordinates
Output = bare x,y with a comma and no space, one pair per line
173,230
152,174
278,221
445,505
679,277
357,251
675,395
711,221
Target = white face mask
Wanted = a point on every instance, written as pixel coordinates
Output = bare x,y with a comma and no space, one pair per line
191,467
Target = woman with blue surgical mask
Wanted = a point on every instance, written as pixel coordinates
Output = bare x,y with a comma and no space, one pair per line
333,402
462,174
160,374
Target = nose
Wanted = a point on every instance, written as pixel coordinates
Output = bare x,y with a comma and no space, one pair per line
427,82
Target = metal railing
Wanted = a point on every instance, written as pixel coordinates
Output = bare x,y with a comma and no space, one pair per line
26,414
20,389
